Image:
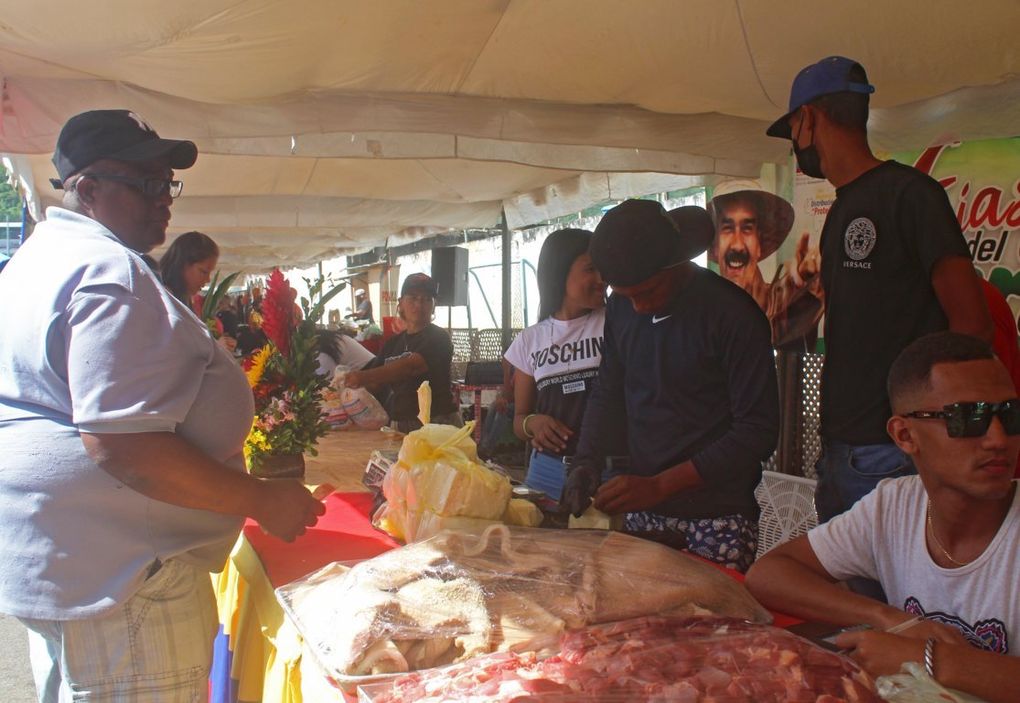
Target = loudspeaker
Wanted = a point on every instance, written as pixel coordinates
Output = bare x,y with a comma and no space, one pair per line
450,272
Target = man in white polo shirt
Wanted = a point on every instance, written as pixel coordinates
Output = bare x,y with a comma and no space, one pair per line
122,424
944,545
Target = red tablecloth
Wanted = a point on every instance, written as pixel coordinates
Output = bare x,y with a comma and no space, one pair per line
344,533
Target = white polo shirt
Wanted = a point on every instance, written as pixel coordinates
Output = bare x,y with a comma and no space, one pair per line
91,341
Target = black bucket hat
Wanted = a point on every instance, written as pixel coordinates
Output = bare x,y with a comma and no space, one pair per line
638,238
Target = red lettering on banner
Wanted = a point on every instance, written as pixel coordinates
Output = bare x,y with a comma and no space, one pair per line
988,210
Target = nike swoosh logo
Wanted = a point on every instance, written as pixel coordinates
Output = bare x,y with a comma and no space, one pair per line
656,319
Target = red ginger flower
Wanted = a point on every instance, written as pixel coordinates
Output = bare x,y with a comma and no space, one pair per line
278,321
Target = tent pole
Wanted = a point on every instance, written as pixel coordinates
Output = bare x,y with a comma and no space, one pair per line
507,288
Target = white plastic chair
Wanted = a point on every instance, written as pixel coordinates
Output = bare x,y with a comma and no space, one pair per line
787,508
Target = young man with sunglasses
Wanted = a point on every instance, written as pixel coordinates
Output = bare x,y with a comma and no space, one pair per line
944,545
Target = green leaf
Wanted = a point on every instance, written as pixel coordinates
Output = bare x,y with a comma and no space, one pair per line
216,293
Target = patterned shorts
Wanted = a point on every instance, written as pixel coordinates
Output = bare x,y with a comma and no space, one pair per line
730,540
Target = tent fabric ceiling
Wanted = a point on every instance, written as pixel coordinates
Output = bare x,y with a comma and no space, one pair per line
333,126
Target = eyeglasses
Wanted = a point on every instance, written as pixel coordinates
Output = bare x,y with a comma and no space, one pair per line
974,419
150,187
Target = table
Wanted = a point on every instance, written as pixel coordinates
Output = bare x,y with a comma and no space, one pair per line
259,654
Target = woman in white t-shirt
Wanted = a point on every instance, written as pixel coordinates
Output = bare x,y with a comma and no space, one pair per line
556,360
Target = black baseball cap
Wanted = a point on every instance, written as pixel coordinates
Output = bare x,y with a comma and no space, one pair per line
638,238
828,76
120,135
419,283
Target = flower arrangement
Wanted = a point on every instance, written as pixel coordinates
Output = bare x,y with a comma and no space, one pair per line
282,375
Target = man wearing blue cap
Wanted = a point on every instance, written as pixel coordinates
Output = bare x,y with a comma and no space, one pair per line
895,267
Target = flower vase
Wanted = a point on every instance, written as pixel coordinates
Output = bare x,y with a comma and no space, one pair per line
280,466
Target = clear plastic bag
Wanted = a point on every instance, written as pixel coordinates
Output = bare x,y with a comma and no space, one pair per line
653,659
351,408
913,685
517,589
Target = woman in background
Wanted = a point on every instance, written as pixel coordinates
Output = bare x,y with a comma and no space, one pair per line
557,359
187,267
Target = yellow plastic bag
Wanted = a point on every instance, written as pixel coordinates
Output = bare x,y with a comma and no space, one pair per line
437,476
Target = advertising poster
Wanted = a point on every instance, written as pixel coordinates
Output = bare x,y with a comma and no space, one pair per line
982,180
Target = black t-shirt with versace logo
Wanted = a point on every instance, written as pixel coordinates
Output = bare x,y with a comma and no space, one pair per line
881,239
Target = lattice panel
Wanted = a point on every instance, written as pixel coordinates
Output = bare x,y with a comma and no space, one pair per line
810,411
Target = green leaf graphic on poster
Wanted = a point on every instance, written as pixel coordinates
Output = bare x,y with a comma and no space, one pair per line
1005,280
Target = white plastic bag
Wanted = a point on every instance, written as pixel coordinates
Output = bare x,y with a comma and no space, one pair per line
352,407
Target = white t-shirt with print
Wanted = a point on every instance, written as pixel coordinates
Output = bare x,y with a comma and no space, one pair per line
563,357
883,538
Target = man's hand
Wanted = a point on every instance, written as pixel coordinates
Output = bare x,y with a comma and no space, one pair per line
922,629
880,653
353,379
582,482
286,508
550,435
628,494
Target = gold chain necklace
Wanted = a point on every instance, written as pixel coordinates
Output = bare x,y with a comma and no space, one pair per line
945,552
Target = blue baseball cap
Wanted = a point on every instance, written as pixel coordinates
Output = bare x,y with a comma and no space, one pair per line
828,76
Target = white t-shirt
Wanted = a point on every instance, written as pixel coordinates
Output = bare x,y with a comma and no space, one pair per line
883,538
92,342
563,356
352,355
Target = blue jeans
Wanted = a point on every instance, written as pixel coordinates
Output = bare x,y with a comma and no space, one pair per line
847,473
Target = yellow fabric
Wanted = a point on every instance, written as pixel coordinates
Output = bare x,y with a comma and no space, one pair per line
266,646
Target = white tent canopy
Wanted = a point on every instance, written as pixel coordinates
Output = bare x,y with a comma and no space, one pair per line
332,126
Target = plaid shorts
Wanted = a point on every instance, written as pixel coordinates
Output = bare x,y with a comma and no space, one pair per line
155,647
730,540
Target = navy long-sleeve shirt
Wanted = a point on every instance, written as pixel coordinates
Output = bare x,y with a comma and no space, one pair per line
697,382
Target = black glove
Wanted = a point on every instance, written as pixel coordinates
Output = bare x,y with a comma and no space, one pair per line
582,482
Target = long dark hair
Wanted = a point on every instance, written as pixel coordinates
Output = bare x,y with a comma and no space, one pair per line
189,248
559,251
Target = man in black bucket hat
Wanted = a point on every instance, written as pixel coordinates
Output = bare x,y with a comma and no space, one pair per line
687,355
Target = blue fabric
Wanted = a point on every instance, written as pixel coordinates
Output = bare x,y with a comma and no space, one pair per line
847,473
222,689
546,473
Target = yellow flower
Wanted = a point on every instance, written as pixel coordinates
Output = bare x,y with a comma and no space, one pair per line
258,365
255,442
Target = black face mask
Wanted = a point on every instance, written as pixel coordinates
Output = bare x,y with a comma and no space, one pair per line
808,160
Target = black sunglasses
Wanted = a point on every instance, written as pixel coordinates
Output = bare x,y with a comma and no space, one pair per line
974,419
151,187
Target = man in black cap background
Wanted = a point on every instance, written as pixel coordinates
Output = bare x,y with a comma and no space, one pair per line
421,352
895,266
688,357
123,424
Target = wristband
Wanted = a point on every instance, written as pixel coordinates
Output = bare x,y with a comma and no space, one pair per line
524,426
929,657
